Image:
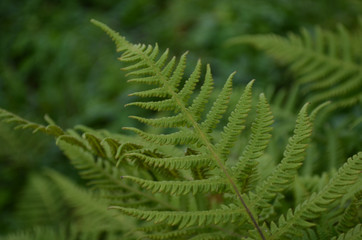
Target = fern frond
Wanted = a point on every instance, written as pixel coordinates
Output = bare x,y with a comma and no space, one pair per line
196,133
326,64
315,205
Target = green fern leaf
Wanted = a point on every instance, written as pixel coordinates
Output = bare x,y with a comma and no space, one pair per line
100,173
245,169
219,107
285,172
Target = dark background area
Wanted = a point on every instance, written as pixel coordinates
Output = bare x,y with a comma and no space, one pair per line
54,61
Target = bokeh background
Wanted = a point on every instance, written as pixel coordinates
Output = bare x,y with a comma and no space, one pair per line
54,61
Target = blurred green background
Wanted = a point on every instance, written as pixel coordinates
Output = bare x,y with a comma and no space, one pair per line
54,61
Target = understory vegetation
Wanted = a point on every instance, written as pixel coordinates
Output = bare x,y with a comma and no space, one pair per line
196,152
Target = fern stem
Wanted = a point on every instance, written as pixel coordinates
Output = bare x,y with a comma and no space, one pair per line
237,192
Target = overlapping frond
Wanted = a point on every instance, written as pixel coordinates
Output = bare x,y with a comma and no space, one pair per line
318,203
326,64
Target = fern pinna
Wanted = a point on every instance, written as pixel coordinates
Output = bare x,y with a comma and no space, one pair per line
183,180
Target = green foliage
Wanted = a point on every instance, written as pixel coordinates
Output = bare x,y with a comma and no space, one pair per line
184,175
327,65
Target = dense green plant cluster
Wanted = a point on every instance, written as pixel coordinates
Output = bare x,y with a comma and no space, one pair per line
199,168
53,61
